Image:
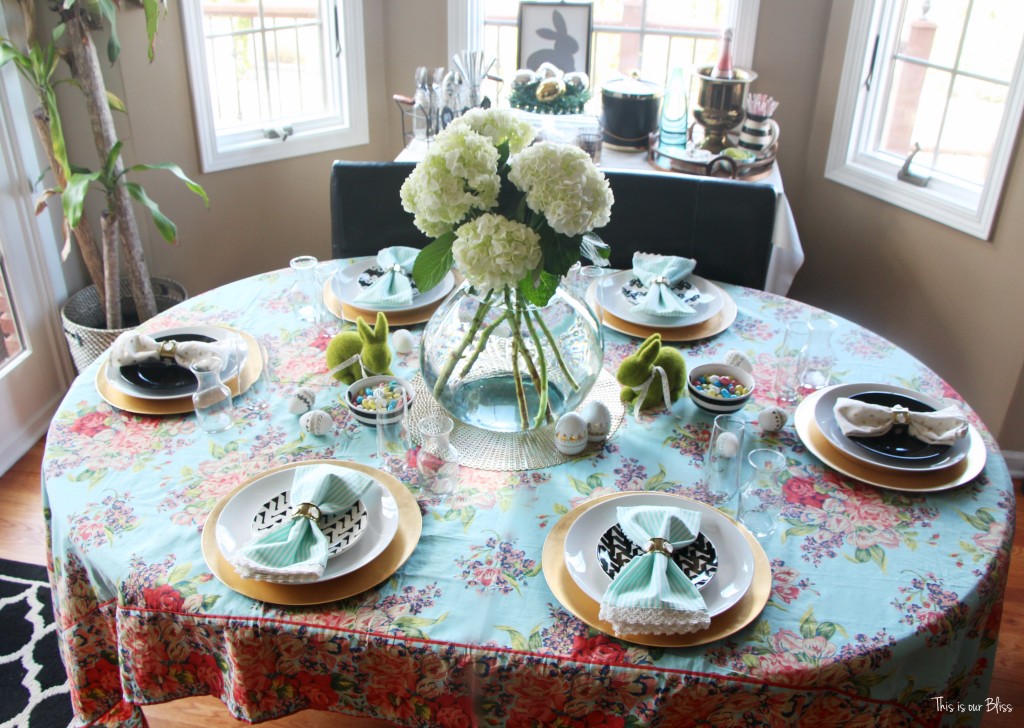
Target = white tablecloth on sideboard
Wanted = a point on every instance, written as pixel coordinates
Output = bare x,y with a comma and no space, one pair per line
787,252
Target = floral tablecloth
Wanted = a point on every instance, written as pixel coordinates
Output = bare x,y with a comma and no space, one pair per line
884,607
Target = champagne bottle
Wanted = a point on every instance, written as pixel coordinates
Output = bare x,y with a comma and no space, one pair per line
723,69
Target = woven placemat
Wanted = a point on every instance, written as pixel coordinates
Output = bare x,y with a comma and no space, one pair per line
488,450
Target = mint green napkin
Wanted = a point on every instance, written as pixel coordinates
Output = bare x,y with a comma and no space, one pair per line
659,273
393,288
651,594
296,550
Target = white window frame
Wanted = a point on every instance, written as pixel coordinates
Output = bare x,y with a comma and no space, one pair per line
347,129
959,205
465,28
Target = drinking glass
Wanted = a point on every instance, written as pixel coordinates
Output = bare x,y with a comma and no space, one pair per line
819,357
437,460
212,398
305,294
723,463
393,442
789,362
589,139
761,497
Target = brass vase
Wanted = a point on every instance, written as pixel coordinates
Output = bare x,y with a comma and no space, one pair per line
719,105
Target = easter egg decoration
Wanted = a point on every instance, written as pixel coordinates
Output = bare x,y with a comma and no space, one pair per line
403,341
316,422
599,421
570,434
772,419
301,401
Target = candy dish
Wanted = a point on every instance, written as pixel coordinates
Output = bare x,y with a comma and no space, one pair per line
719,404
366,415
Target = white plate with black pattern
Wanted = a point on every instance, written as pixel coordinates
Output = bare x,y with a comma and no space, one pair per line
239,521
625,290
349,282
735,558
698,560
342,530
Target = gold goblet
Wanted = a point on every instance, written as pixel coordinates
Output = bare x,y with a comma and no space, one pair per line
719,105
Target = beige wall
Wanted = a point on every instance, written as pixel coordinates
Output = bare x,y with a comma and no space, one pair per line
945,296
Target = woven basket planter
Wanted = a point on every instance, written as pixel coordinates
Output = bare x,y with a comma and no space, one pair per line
84,322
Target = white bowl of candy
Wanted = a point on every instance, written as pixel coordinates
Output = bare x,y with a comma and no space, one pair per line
362,398
719,388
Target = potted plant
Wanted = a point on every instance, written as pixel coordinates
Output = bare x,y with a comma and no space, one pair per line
117,261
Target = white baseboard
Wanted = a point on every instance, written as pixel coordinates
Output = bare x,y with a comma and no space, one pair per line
1015,462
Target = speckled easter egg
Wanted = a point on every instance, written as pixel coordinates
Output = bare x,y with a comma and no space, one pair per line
728,445
570,434
772,419
316,422
403,341
301,401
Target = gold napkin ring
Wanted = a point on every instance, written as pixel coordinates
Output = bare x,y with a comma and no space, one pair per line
167,349
307,510
659,279
659,545
900,415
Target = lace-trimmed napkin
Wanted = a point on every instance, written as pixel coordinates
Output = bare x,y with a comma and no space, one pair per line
659,273
651,594
296,550
393,288
860,419
134,348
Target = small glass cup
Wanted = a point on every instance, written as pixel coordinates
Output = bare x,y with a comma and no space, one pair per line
305,294
212,398
589,140
819,357
393,442
723,464
789,362
437,460
761,497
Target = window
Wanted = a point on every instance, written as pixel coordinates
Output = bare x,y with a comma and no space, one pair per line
941,78
649,36
273,79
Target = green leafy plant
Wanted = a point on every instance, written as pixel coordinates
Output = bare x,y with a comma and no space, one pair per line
122,247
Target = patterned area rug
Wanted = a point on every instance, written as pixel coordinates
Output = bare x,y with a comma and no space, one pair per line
33,684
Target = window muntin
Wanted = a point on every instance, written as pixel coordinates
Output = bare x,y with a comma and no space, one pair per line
944,78
275,78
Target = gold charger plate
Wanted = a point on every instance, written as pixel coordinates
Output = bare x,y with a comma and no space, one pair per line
931,481
181,405
573,598
396,317
410,525
714,325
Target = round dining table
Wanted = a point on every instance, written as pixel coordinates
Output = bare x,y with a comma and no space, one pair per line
871,604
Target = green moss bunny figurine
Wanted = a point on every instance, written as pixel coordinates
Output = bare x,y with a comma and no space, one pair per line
370,344
636,369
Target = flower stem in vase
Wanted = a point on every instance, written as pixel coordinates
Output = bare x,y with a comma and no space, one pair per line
558,353
515,315
517,377
542,388
457,352
481,344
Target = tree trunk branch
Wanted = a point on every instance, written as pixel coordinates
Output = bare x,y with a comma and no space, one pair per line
112,275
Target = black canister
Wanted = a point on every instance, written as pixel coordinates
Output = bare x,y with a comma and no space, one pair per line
631,109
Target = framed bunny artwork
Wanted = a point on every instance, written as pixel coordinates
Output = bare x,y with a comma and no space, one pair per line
555,33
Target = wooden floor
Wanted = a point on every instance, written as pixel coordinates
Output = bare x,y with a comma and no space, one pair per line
22,539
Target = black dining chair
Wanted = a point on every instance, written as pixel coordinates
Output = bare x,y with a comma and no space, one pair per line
366,209
725,225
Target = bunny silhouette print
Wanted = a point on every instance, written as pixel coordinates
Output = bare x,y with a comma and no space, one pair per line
563,51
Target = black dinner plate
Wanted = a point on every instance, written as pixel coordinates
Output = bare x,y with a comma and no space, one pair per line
698,560
163,374
897,442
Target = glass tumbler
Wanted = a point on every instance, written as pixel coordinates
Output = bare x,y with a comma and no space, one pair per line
212,398
761,497
723,463
437,460
393,442
819,357
789,362
305,295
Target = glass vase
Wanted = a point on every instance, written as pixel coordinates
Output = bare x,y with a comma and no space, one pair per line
437,460
212,398
505,365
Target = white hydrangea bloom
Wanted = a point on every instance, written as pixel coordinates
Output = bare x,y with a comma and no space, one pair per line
562,184
458,174
499,126
493,252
